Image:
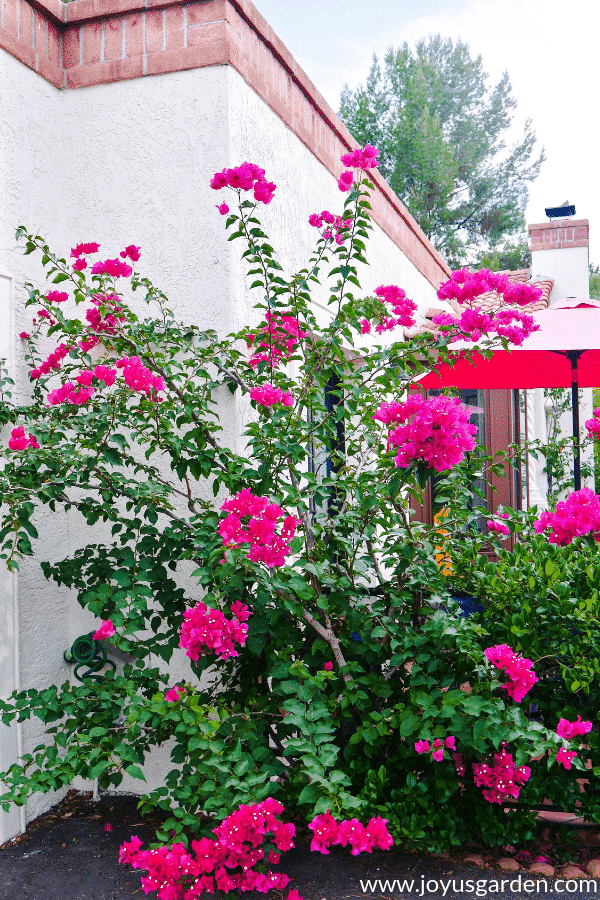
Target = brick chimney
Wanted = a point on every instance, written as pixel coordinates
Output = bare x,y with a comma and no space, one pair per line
560,250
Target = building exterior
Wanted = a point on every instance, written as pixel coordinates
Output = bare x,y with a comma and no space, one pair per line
115,114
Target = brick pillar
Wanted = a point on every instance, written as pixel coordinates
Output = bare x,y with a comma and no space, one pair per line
560,250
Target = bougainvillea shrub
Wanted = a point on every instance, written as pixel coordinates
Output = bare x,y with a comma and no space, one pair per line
344,685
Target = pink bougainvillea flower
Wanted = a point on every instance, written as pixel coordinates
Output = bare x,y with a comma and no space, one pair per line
576,516
438,754
57,296
328,666
106,630
276,341
246,177
205,630
266,545
465,286
498,527
449,742
113,267
437,430
346,181
325,831
569,730
51,363
69,394
82,249
353,832
593,425
459,764
79,265
422,746
20,441
518,669
378,835
85,378
223,208
105,374
24,336
565,757
267,395
402,306
107,827
132,252
361,158
174,694
501,779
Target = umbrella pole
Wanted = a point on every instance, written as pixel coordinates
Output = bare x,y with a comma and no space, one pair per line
574,359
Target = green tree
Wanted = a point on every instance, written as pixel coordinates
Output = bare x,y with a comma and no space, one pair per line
511,256
594,282
441,131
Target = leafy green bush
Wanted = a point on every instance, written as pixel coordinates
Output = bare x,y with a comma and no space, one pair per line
356,660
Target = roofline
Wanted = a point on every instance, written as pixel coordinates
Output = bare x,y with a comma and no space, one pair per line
215,32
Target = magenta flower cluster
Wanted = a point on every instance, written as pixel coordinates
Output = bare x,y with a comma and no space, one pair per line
131,252
207,630
569,730
276,341
107,323
82,250
20,441
135,375
107,629
437,430
57,296
338,225
498,527
436,748
565,757
402,308
579,514
518,669
261,519
267,395
327,831
364,158
116,268
501,779
225,864
246,177
593,425
474,323
174,694
464,286
53,362
68,393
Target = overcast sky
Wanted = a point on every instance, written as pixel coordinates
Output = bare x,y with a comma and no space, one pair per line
548,47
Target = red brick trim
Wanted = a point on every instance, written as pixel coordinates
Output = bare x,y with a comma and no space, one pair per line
99,41
560,234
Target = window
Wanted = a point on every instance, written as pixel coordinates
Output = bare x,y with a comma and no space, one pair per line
496,414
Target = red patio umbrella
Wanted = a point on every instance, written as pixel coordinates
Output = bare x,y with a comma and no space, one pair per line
565,352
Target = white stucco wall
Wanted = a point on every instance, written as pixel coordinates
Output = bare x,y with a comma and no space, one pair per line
568,267
130,162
